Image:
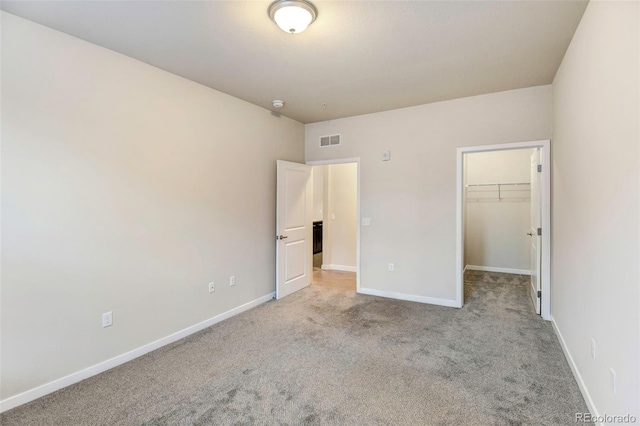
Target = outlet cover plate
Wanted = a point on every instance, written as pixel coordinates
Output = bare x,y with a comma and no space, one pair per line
107,319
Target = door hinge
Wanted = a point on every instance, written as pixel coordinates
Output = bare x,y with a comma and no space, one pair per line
539,231
539,294
539,168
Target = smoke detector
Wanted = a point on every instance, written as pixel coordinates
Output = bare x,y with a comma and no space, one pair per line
277,103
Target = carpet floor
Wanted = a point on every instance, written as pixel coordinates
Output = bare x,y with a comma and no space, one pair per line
333,357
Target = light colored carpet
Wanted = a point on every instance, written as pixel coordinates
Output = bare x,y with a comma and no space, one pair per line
327,356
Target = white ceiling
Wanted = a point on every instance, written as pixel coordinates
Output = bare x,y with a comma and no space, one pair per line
357,57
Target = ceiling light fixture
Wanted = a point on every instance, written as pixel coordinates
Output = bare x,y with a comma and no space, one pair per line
292,16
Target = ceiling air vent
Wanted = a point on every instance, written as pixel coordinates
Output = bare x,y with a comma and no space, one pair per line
330,140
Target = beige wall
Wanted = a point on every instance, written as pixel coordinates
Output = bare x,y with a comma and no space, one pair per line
595,211
341,217
411,199
125,189
496,231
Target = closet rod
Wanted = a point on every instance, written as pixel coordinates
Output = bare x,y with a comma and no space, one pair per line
498,184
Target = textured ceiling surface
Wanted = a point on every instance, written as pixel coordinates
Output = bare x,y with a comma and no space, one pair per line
358,57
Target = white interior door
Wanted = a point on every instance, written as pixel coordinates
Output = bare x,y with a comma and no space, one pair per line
534,233
294,218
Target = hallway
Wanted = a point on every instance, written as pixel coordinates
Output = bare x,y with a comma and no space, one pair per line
335,279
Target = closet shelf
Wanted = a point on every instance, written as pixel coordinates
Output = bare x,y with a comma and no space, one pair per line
507,191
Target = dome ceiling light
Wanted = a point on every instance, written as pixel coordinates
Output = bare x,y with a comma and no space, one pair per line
292,16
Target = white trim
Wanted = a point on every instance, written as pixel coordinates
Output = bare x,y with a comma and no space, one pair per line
339,268
494,269
334,161
545,146
40,391
409,297
460,234
574,369
505,146
343,161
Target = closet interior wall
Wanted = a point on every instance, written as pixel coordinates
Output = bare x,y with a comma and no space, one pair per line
498,209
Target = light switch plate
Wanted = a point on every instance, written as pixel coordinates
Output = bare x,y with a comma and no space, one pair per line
366,221
386,155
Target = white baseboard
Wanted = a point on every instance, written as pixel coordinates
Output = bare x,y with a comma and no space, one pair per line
40,391
492,269
409,297
574,369
339,268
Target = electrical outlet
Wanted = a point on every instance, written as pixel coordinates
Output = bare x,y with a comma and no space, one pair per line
593,349
212,287
107,319
614,384
232,281
392,267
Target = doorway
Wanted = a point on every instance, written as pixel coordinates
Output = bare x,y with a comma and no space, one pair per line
294,225
335,225
503,217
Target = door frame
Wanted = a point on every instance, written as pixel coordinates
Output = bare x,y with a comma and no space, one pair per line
545,204
343,161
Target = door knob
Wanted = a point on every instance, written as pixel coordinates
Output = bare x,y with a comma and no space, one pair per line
530,234
281,237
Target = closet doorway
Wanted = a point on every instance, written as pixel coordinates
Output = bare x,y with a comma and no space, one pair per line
336,224
503,218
